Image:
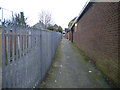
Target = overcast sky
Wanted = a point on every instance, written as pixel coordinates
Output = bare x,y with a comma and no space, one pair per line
62,11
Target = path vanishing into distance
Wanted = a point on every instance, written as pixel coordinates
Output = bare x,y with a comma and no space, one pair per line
70,69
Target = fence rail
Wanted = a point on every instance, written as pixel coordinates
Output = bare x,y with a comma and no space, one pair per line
27,54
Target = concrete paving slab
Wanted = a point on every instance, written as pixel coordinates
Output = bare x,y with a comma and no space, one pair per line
71,70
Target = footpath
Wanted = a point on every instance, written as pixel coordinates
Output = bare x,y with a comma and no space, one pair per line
0,71
70,70
0,78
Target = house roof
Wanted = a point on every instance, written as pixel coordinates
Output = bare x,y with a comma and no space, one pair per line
39,25
56,26
82,12
73,19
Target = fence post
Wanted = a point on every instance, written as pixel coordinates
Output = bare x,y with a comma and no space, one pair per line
17,75
13,63
3,58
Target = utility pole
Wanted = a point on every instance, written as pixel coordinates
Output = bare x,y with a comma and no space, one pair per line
3,13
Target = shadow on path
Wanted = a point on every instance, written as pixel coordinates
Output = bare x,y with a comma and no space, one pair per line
70,70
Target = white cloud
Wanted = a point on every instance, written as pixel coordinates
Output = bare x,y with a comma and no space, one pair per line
62,10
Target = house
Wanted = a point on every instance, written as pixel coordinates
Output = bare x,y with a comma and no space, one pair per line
67,35
55,27
69,32
96,32
39,25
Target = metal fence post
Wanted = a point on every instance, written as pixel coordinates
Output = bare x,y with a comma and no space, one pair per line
3,58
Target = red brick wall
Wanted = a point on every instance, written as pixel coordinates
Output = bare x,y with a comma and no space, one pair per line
67,35
0,48
97,36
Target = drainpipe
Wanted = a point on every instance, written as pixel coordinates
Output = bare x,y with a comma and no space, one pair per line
72,30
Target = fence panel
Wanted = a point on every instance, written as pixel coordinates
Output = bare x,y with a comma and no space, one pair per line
27,54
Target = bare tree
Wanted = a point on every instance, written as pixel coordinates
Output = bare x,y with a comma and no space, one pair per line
45,18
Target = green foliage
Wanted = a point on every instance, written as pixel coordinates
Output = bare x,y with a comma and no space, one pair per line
60,29
50,28
70,23
20,19
53,28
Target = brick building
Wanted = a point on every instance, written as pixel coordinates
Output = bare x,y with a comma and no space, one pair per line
96,31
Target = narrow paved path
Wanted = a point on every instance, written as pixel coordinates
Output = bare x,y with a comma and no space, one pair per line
71,70
0,78
0,70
